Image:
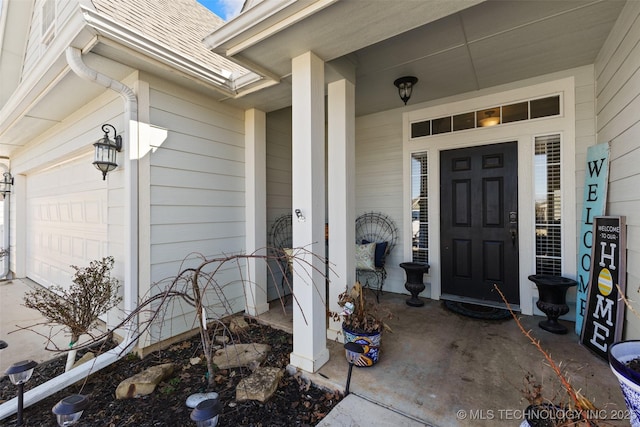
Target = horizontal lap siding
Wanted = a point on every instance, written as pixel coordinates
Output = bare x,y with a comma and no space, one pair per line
278,173
197,195
617,70
379,179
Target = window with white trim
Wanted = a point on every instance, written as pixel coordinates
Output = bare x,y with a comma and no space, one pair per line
419,207
548,208
48,21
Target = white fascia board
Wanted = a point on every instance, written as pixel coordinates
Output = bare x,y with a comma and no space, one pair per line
261,22
127,37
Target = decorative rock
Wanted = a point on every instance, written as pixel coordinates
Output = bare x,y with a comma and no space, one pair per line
234,356
194,399
260,385
237,324
145,382
195,360
221,339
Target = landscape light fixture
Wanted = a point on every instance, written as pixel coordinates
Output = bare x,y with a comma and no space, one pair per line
106,149
19,373
206,413
6,184
69,410
353,351
405,87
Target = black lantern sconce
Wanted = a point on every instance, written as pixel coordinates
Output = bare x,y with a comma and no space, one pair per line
206,413
106,149
405,87
19,373
69,410
6,184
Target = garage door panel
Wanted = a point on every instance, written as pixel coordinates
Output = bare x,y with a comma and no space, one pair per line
66,222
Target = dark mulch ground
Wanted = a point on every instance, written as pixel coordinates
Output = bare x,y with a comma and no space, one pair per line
295,403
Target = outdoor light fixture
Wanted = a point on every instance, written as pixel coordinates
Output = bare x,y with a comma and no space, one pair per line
106,149
353,351
19,373
69,410
3,344
6,183
206,413
405,87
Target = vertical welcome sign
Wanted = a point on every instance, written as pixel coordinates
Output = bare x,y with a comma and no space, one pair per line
595,197
603,317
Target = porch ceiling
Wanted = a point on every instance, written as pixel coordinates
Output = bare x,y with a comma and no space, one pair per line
475,46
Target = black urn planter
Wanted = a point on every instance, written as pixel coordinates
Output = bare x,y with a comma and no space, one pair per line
552,291
414,284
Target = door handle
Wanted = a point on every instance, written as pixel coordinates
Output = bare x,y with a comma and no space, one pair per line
514,235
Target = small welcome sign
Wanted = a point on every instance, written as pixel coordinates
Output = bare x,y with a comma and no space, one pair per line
602,324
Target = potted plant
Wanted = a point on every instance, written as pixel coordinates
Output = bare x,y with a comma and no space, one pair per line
362,323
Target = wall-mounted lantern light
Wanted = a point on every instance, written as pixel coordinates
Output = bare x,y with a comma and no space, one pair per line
6,184
405,87
106,149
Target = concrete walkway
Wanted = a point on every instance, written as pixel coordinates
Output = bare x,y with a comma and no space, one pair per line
14,317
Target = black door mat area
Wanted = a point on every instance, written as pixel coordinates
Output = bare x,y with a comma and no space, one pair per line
477,311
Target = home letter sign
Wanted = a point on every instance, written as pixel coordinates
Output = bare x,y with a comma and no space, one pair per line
595,195
603,317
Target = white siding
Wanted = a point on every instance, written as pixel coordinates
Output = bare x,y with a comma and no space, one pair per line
278,180
617,106
35,48
196,162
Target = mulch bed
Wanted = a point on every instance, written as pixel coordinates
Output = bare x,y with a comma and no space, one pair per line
295,403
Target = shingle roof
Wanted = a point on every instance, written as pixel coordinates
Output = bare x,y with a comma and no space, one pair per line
180,25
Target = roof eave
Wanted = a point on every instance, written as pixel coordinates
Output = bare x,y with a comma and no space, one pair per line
261,22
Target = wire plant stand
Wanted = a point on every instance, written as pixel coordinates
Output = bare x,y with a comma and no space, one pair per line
280,243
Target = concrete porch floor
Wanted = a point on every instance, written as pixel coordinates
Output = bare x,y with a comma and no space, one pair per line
441,369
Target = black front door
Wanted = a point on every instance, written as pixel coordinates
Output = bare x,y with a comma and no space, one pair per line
478,222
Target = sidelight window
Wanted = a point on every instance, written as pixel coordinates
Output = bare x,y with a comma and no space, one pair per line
548,208
419,206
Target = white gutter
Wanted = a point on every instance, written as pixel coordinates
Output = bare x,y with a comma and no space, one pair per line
130,143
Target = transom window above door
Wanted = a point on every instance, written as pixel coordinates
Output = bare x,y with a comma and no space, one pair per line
490,116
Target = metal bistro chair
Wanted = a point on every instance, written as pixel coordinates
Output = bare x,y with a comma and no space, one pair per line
280,244
378,228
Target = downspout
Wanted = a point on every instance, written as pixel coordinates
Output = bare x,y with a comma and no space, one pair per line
74,59
6,225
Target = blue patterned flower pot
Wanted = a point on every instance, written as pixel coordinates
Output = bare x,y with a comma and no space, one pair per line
370,343
620,354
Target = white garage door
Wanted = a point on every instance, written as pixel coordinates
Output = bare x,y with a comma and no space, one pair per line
67,220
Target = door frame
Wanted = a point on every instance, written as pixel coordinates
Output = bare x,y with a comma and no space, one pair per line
524,134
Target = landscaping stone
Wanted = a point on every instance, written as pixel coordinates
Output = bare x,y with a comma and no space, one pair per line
260,385
237,324
234,356
145,382
194,399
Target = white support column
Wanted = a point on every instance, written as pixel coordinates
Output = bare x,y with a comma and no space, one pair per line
341,181
255,157
308,169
